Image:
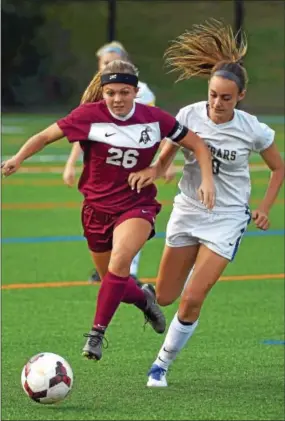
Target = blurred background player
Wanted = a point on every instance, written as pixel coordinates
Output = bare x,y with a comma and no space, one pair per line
106,54
195,238
111,135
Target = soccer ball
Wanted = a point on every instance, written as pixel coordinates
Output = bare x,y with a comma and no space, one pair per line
47,378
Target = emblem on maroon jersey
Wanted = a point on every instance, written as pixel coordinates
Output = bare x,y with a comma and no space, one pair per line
145,136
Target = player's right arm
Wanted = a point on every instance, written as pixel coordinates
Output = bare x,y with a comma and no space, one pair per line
31,147
69,169
75,126
165,158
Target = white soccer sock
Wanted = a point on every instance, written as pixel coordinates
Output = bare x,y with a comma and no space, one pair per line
135,264
176,338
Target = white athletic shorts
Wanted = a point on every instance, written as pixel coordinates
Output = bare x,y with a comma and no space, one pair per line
221,232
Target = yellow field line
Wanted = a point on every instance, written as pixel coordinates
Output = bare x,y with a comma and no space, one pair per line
145,280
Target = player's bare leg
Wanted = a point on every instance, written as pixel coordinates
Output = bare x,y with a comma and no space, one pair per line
174,268
208,268
126,244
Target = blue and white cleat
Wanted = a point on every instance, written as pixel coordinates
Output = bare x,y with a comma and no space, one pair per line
156,377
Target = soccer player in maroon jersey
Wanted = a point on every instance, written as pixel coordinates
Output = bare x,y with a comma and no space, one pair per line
107,53
119,137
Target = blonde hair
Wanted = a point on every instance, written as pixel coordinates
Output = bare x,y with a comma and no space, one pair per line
94,91
205,49
113,47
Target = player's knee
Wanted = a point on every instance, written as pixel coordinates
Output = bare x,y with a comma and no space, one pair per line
191,303
164,300
164,297
120,261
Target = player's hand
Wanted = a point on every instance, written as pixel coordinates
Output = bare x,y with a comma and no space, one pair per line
143,178
170,173
69,175
206,194
10,166
261,219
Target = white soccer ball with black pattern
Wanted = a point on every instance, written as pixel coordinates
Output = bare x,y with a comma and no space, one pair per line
47,378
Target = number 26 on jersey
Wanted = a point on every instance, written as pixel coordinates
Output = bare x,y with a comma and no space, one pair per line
120,158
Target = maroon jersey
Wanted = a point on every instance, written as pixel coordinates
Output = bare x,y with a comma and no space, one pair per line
114,147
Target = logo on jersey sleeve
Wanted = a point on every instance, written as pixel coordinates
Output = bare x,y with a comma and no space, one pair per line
145,136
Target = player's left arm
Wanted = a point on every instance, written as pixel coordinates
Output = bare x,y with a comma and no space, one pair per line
165,159
275,163
170,171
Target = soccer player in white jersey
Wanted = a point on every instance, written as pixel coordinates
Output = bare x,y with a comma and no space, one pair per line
196,238
107,53
111,132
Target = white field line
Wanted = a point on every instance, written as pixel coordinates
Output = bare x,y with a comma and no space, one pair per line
59,170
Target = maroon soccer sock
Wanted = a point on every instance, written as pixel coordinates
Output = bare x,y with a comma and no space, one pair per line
134,295
109,297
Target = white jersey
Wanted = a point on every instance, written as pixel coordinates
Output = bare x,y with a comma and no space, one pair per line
145,95
231,144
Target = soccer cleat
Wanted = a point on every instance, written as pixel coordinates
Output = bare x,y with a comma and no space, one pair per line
156,377
94,277
152,312
93,347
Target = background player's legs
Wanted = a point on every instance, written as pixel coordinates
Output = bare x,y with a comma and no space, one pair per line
135,264
208,268
174,268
